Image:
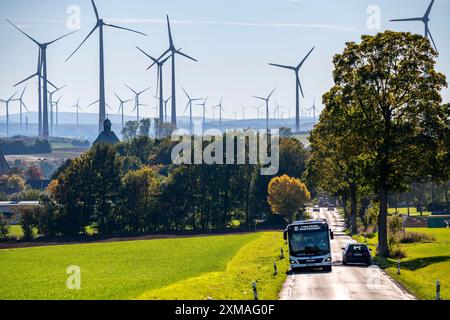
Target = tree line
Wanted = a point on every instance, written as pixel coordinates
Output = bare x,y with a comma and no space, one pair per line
384,127
133,187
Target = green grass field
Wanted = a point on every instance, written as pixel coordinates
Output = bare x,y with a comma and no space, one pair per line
127,270
412,211
425,263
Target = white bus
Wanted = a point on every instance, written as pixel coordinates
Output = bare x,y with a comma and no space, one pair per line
309,244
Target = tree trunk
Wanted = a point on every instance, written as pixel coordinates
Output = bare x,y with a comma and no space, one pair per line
344,206
353,213
365,201
383,246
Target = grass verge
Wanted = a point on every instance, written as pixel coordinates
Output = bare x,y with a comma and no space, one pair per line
425,263
253,262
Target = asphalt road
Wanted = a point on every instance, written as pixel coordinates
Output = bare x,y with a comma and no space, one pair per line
351,282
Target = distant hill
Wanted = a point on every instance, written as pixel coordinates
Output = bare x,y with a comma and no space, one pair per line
88,128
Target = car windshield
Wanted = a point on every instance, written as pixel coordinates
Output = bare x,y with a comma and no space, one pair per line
308,243
357,248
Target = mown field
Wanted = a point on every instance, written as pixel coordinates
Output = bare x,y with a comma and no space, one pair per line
146,268
412,211
425,263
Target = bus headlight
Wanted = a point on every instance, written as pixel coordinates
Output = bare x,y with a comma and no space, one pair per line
328,259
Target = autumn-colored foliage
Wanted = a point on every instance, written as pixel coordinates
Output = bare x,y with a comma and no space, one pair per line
287,195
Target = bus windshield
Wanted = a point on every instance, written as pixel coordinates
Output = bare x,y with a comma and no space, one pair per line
309,243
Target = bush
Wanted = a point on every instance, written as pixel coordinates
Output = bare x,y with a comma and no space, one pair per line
397,252
27,194
4,228
412,237
27,220
395,228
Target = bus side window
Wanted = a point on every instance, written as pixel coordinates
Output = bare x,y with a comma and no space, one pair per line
331,235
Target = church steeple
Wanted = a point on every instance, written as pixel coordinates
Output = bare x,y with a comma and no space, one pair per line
107,136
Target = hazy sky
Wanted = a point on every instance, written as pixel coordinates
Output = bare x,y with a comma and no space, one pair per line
234,40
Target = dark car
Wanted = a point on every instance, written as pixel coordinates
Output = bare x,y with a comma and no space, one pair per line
356,253
330,207
316,208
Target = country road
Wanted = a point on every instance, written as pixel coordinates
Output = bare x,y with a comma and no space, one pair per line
344,282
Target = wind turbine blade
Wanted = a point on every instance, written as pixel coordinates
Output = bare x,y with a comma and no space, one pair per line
23,105
144,90
427,13
117,97
408,19
130,89
186,93
432,40
66,35
85,39
93,103
126,29
304,59
13,96
185,55
146,54
27,35
187,106
26,79
300,86
23,91
271,93
170,32
281,66
259,98
95,10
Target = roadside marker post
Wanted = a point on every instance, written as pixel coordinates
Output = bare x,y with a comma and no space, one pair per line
255,291
398,266
275,269
438,290
281,253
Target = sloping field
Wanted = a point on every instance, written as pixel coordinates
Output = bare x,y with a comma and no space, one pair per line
125,270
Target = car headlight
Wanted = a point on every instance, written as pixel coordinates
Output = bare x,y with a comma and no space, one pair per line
293,261
328,259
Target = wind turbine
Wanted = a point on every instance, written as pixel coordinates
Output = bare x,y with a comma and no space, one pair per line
43,67
267,106
298,86
7,102
159,81
243,112
189,105
173,52
22,106
121,107
258,110
57,111
204,110
220,110
314,109
50,100
425,19
137,104
165,108
78,108
100,24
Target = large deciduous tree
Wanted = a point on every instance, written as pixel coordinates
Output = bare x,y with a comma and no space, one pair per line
387,96
287,195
